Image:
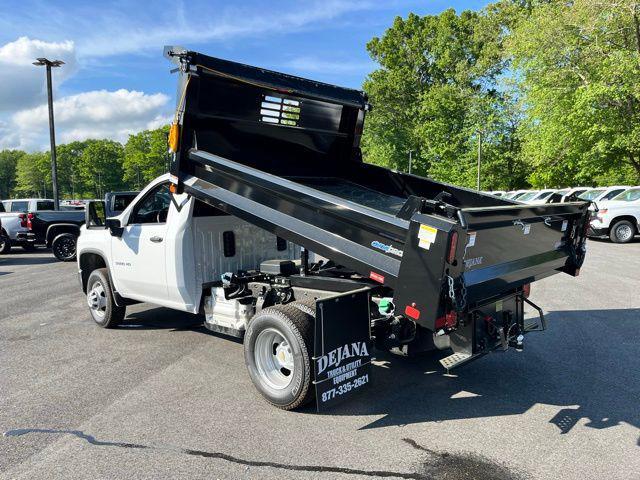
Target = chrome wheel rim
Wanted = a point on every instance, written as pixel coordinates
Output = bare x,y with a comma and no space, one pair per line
97,300
624,232
274,359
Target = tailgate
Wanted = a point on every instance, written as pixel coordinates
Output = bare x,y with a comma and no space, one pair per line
508,246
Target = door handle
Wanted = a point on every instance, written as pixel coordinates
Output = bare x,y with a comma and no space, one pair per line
156,239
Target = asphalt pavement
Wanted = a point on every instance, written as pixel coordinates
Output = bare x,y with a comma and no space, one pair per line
160,397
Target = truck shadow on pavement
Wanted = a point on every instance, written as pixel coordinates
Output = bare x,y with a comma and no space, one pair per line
587,362
160,318
13,260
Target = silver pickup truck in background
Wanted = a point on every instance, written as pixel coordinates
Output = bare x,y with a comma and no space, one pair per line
13,214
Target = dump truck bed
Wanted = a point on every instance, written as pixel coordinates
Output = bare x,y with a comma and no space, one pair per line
284,153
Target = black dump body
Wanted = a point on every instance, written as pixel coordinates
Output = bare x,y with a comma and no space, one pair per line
283,153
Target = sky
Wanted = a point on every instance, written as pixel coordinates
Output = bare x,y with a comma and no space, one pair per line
115,80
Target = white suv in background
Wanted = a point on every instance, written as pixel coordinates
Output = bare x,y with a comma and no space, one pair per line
618,218
603,194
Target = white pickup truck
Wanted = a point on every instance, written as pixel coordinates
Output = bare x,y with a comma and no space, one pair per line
165,250
618,218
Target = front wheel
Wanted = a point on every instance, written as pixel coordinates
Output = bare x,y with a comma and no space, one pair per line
5,244
278,346
102,305
622,232
64,247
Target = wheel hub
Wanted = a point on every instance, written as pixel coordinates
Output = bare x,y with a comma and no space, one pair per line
65,248
624,232
274,358
97,299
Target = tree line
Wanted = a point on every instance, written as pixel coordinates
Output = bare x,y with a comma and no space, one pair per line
548,91
86,169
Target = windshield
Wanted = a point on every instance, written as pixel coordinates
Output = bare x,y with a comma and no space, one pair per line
591,194
527,196
518,195
544,195
630,195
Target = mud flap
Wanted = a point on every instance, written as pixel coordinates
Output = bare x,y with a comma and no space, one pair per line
342,353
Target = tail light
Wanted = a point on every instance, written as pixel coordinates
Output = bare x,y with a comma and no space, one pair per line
29,218
453,245
526,290
23,220
449,320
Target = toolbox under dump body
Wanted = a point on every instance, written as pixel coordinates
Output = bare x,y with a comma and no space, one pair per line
283,153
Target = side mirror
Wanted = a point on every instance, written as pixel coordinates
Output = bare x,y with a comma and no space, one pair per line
113,224
94,215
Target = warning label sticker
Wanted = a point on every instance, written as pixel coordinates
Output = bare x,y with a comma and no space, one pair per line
426,236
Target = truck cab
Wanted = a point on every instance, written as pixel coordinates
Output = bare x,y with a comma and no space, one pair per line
165,248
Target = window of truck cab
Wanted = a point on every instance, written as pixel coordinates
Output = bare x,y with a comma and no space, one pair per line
44,205
21,206
153,207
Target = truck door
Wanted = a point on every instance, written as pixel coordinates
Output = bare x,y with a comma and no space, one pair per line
139,255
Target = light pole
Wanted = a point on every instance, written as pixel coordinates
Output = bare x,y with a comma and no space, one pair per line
52,136
479,156
410,160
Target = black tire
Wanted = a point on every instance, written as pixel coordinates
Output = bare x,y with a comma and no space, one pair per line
64,247
102,305
28,247
307,306
622,231
295,329
5,243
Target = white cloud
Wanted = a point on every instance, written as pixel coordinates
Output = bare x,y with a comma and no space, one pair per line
22,83
95,114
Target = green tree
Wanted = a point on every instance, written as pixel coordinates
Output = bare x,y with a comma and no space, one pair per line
33,175
578,67
100,166
437,94
145,156
70,180
8,165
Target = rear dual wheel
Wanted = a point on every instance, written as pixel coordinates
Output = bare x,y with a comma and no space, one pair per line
278,347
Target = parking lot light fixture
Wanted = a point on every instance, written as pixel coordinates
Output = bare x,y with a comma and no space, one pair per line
44,62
